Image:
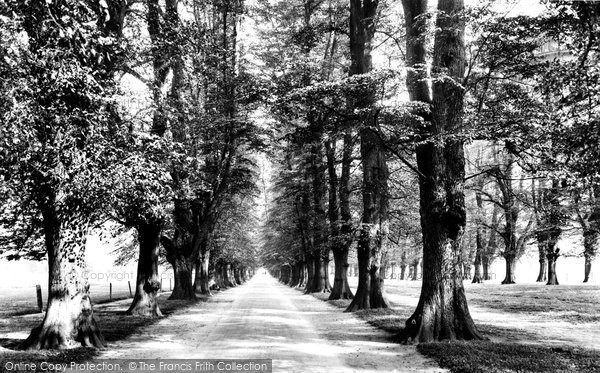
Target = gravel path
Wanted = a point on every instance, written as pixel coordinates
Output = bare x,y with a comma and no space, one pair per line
263,319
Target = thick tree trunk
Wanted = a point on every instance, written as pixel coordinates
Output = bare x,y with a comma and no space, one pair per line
219,276
402,271
229,283
442,311
69,320
294,279
183,288
416,270
341,288
145,302
362,298
319,284
204,275
374,225
302,275
197,265
486,263
552,257
238,278
310,273
511,264
543,265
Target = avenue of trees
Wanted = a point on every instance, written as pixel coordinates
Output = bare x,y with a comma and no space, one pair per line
423,139
431,139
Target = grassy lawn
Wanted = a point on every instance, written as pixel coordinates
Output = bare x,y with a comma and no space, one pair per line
115,326
508,349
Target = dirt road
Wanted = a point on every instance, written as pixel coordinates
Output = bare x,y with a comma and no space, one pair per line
263,319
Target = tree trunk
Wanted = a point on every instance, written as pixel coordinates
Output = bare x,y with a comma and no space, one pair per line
219,276
485,263
183,288
477,277
69,320
204,275
552,257
145,302
319,284
310,273
590,243
326,272
416,272
442,312
196,276
511,264
362,297
587,269
543,265
238,278
302,275
402,271
294,279
467,269
374,225
229,283
341,288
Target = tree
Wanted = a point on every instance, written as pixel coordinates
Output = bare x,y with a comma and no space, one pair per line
587,211
442,312
374,225
59,150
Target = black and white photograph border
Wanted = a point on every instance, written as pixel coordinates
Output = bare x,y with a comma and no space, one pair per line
299,186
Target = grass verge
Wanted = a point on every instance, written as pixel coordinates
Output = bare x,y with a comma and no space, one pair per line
507,353
115,326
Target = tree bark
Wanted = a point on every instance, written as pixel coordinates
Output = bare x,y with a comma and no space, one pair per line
183,288
375,224
543,263
477,277
341,288
509,277
238,278
587,268
69,320
339,242
302,275
552,257
590,243
205,273
479,251
319,284
310,273
145,302
442,312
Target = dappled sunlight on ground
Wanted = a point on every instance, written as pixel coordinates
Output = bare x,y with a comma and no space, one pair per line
264,319
533,313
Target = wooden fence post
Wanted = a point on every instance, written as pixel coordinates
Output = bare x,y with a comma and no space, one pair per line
38,290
